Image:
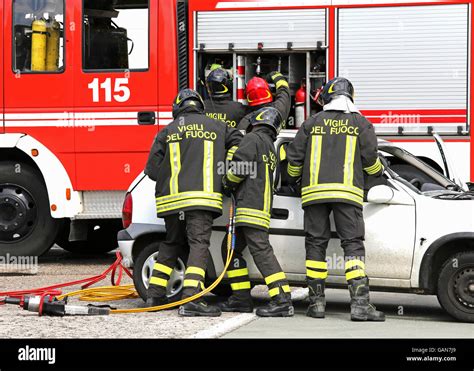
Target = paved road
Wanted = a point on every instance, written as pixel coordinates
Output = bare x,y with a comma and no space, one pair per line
408,315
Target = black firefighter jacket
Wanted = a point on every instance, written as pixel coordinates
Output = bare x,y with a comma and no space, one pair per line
331,152
252,170
185,160
228,111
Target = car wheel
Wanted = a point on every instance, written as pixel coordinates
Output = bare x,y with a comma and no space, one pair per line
456,286
27,226
102,238
143,269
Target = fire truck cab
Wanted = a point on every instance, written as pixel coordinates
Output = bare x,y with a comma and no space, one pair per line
87,84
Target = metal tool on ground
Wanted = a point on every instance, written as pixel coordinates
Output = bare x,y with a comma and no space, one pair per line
50,300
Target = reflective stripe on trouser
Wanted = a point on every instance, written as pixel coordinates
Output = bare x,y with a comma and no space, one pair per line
194,278
193,232
262,252
161,275
349,226
355,269
316,270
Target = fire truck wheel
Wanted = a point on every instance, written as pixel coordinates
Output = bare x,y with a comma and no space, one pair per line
102,238
456,286
27,226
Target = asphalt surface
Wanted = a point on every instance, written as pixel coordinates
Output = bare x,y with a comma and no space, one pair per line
408,316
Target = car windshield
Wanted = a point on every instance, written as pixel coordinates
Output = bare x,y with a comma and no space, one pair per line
409,167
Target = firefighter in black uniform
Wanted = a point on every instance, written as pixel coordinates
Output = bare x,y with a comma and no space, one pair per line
220,106
259,96
331,152
251,175
183,162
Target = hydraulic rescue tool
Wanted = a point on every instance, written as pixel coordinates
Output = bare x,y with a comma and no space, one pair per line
51,302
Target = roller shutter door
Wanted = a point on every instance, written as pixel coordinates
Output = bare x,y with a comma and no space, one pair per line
406,58
275,28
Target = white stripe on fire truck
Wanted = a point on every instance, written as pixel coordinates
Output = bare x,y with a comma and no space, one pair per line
296,3
66,119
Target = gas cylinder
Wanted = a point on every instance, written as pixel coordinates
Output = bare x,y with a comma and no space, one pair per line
52,49
38,45
300,105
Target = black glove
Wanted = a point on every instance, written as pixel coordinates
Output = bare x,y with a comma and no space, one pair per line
227,188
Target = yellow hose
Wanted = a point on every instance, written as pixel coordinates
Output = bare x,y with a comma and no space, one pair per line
115,293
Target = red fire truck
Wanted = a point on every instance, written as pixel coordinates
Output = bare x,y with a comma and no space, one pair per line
87,84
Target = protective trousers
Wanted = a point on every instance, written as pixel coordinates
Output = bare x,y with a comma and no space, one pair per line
262,252
350,229
192,229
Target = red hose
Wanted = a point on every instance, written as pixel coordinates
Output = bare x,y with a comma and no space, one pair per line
87,282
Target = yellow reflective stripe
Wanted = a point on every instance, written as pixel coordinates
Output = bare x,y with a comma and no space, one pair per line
282,153
351,142
234,178
316,275
277,74
331,196
332,187
160,201
355,263
193,283
240,286
190,203
276,291
282,83
238,273
252,221
175,162
196,270
253,212
158,282
231,153
208,167
315,165
316,265
295,171
374,169
359,273
267,197
280,276
163,268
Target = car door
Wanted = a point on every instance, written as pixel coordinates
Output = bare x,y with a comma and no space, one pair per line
116,99
389,241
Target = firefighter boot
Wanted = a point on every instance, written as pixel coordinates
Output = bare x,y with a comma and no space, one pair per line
317,299
199,308
361,309
157,301
279,306
240,301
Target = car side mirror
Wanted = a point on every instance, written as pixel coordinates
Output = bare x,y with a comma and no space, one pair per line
383,194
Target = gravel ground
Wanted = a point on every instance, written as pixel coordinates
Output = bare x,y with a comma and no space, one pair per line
59,266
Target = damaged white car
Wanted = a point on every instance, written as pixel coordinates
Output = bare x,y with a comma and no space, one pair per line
419,234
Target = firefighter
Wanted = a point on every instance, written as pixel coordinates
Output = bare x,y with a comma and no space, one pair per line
251,176
184,161
259,95
331,152
220,106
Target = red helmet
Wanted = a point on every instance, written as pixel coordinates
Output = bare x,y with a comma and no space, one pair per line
258,92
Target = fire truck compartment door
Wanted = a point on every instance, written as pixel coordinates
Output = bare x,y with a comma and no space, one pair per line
2,112
274,28
408,60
